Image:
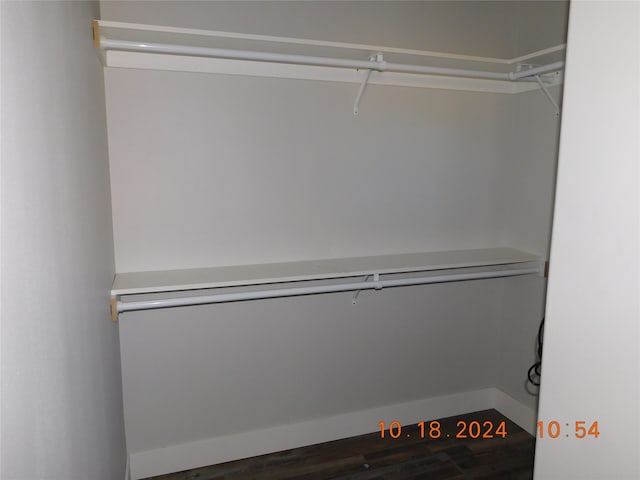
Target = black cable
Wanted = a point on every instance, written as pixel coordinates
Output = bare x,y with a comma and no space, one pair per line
534,370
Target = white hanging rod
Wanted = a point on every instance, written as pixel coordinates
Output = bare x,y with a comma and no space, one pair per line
377,284
159,29
377,64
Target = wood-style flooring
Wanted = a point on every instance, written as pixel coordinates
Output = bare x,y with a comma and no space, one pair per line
409,457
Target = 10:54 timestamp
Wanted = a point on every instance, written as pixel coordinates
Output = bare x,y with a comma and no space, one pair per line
577,429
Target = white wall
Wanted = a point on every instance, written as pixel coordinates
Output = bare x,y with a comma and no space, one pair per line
62,413
213,170
531,151
531,146
591,362
194,373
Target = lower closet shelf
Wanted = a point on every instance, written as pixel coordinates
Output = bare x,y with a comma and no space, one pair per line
404,270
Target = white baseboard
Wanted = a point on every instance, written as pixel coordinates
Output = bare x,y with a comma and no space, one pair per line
232,447
525,417
242,445
127,469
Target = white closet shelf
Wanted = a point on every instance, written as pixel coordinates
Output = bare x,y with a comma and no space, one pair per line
465,264
128,45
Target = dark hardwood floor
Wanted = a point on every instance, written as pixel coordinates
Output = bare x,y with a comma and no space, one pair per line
408,457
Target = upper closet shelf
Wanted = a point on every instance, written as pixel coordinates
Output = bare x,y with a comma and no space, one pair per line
128,45
404,269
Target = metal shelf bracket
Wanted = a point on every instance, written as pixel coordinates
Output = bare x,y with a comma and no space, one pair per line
546,92
377,284
373,58
354,300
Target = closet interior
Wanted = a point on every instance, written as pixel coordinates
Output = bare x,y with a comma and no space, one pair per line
326,215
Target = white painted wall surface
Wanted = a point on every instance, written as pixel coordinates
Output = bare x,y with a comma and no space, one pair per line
591,363
531,147
199,372
522,304
62,413
210,170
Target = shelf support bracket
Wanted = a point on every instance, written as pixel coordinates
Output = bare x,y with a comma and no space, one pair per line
363,86
354,300
95,25
114,307
545,90
377,284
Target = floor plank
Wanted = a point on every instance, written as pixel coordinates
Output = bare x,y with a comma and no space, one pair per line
409,457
